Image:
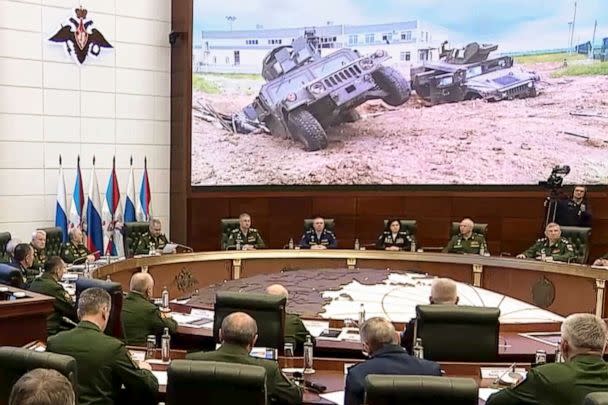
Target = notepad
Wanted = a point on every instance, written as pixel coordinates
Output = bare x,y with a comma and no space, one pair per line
161,376
335,397
484,393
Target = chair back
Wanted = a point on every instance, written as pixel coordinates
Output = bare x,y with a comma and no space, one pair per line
329,224
131,233
267,310
227,225
10,275
596,398
579,237
477,228
215,383
4,238
408,225
447,332
16,361
54,240
114,327
420,390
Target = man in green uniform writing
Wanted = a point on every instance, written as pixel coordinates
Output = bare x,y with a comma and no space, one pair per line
245,237
553,247
39,245
467,241
104,364
153,239
584,371
64,315
238,334
140,317
75,250
295,331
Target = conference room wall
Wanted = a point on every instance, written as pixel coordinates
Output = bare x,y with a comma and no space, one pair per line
117,104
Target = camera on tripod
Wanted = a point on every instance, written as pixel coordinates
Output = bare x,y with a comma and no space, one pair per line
556,178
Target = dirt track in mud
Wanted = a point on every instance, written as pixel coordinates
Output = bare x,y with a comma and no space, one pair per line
473,142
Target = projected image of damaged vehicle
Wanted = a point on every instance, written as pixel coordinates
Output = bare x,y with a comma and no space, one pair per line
306,93
466,74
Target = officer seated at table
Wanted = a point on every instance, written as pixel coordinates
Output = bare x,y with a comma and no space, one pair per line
551,246
318,237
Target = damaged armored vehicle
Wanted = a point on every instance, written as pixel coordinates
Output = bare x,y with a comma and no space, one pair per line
305,93
466,74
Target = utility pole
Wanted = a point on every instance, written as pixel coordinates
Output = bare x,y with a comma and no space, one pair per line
593,40
230,19
573,25
568,40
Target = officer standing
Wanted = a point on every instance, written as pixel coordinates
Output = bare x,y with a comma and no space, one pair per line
574,211
153,238
318,237
583,339
245,237
394,238
75,250
466,241
39,246
552,245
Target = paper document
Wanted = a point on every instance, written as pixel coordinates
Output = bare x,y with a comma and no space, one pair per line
315,327
484,393
335,397
192,320
169,248
495,372
161,376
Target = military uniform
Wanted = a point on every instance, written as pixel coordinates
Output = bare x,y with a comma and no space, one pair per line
28,275
63,305
403,240
251,238
39,258
104,365
571,213
561,251
279,389
71,252
557,383
458,244
310,238
390,359
141,318
144,241
295,331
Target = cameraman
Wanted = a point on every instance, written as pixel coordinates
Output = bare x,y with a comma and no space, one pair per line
574,211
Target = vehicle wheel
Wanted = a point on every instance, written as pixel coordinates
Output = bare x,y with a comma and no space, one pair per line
305,127
351,115
392,82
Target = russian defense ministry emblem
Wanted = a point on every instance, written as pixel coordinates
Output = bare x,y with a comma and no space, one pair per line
79,38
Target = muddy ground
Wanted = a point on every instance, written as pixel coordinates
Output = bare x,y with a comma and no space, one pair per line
473,142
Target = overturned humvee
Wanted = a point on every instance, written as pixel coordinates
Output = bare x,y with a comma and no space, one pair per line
466,74
305,93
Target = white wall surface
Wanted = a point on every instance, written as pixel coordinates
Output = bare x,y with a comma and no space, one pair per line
117,104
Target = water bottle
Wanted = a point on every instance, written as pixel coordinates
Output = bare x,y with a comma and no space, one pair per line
165,299
357,246
413,246
540,358
165,349
308,355
290,245
108,279
543,255
87,270
418,349
150,347
288,354
361,315
238,245
482,250
151,250
109,259
559,358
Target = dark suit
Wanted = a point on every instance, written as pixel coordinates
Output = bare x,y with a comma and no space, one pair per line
407,336
391,359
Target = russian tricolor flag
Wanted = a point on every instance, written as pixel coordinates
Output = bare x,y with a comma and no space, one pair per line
130,201
77,200
61,219
112,216
94,229
143,213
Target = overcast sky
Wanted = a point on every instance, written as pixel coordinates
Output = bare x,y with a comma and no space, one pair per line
513,24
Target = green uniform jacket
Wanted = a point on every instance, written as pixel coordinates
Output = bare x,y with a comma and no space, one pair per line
28,274
458,244
104,365
143,243
251,238
141,318
39,258
557,383
561,251
279,389
71,252
63,304
295,331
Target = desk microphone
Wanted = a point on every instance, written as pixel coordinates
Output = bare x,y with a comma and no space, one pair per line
69,321
318,388
510,369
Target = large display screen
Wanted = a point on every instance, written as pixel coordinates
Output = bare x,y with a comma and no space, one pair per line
365,92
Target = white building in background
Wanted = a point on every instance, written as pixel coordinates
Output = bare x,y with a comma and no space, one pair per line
408,43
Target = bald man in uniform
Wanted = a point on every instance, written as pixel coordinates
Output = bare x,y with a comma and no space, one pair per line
295,331
140,317
444,291
466,241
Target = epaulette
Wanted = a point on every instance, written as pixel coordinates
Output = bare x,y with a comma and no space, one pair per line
541,239
252,230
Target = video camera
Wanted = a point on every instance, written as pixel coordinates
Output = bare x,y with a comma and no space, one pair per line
556,178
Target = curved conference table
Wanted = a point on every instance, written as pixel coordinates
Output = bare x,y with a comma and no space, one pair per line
558,287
